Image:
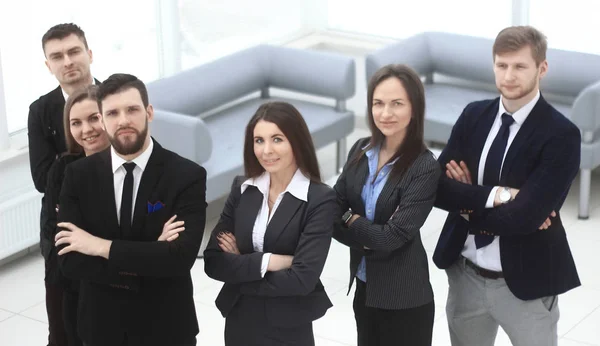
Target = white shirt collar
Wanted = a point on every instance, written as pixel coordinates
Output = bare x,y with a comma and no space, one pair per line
141,161
521,114
298,186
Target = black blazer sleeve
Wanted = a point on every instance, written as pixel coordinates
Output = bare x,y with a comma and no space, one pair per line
415,205
175,258
542,192
309,257
339,232
452,195
52,193
223,266
42,152
75,265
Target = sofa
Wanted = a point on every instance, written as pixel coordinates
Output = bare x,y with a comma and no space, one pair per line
201,113
457,69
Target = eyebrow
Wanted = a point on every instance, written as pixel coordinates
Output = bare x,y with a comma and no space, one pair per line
272,136
398,99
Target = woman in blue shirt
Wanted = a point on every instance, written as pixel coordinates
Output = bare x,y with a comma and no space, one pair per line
386,191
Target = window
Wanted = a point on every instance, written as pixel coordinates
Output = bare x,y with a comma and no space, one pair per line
120,33
401,19
571,26
214,28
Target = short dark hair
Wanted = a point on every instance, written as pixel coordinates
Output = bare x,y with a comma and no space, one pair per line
412,145
292,124
120,82
61,31
514,38
79,95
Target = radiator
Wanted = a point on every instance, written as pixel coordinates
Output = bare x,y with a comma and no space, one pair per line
19,223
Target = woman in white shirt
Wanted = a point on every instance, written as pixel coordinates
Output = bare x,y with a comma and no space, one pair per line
272,239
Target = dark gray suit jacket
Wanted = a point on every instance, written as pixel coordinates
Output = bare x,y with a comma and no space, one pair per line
303,229
397,268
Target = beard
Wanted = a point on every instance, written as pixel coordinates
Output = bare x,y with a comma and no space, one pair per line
527,89
126,147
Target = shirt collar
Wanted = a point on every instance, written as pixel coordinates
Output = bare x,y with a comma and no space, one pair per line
298,186
521,114
373,154
141,161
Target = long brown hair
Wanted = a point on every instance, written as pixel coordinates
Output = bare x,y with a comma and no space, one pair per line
88,93
292,124
412,145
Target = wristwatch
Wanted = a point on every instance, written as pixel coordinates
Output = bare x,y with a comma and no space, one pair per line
347,216
505,195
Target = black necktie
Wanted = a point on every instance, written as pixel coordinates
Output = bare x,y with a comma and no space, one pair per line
493,163
126,199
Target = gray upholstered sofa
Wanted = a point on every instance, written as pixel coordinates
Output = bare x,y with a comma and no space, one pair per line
458,70
202,113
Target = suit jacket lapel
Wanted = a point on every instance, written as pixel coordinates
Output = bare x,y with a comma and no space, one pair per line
531,123
480,136
288,206
386,193
361,175
150,177
58,108
251,201
106,186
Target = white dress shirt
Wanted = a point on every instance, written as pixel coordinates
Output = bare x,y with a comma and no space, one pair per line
119,173
488,257
298,187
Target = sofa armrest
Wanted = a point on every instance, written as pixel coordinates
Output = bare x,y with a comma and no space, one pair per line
413,51
185,135
318,73
586,112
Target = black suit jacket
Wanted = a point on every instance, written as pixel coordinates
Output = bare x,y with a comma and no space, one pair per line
144,289
397,268
46,135
301,229
542,161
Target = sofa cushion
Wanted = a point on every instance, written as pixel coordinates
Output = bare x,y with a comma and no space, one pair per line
227,129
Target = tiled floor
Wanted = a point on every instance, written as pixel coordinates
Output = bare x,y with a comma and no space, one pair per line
23,320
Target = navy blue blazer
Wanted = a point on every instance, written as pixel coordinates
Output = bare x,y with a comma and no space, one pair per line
542,162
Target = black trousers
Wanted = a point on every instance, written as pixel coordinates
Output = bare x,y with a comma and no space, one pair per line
70,304
380,327
57,335
247,325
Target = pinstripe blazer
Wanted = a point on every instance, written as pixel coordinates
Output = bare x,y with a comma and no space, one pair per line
397,267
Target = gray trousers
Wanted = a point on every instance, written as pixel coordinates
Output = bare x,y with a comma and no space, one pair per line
477,306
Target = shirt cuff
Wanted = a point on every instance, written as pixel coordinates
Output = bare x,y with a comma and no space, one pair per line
265,264
491,197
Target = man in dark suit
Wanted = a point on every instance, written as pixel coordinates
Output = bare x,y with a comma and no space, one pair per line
503,245
135,290
68,58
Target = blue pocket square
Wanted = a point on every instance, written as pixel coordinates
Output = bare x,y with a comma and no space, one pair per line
155,207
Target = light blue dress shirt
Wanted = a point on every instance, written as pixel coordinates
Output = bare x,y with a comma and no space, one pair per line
370,193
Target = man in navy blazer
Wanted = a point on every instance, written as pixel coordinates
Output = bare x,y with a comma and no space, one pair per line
509,165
